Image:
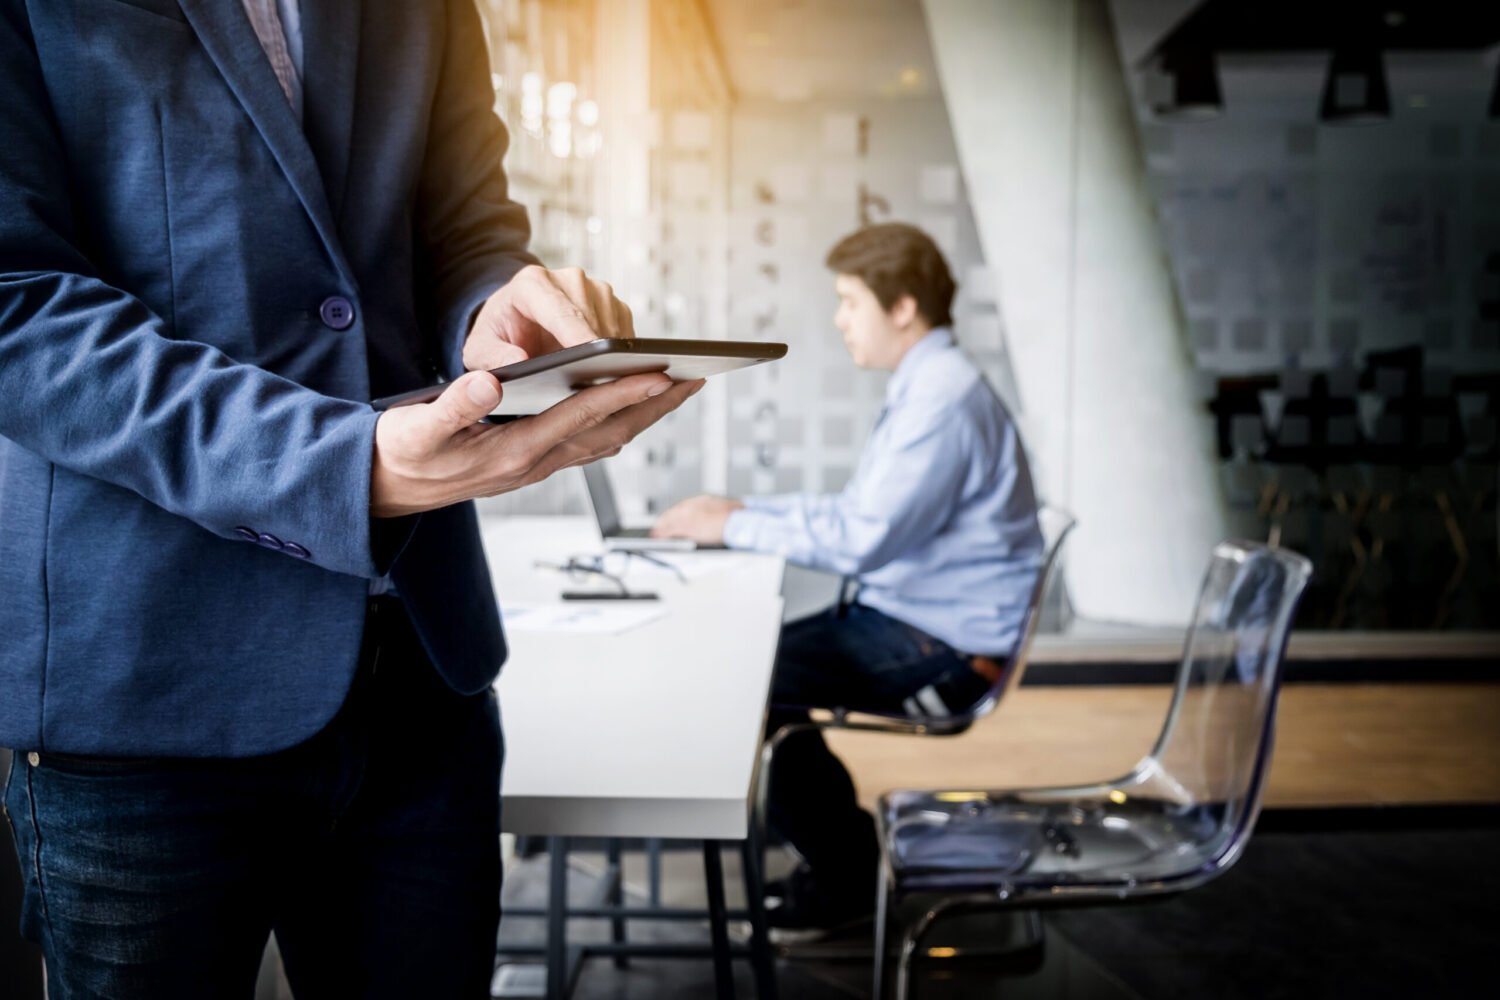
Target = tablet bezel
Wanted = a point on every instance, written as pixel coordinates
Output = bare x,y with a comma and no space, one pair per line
738,353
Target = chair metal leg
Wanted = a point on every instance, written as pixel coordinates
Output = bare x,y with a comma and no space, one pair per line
903,961
760,818
653,870
914,935
760,942
614,879
557,919
760,812
763,785
718,920
882,915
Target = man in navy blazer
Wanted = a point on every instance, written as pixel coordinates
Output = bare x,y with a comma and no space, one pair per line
247,633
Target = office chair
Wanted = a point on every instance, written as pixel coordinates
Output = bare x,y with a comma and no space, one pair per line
1181,817
1055,523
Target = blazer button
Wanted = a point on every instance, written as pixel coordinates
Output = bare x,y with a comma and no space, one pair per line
269,541
248,534
337,312
293,549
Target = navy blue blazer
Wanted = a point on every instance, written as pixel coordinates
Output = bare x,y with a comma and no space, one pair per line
198,297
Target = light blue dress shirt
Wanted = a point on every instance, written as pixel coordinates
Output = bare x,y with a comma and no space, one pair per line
938,522
291,25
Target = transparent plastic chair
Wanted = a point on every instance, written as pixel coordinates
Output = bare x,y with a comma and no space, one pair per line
1180,817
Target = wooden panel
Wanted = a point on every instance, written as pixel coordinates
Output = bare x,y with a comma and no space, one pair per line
1139,644
1337,744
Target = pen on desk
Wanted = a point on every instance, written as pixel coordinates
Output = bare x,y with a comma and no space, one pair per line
590,595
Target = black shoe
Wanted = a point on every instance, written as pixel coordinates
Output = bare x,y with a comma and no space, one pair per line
804,910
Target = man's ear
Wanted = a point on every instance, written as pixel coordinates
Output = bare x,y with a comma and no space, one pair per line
904,311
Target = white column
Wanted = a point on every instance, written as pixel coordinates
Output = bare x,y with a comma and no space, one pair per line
1048,142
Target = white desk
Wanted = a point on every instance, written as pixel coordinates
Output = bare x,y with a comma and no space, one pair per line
650,733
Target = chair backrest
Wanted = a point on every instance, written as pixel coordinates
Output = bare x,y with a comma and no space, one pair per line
1055,524
1215,748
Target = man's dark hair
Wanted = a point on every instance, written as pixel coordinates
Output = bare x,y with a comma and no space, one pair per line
896,259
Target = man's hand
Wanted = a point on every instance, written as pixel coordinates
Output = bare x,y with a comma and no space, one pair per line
434,454
700,518
541,311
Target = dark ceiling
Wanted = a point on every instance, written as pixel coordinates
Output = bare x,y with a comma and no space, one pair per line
1301,25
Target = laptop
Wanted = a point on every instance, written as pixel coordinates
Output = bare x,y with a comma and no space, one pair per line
616,535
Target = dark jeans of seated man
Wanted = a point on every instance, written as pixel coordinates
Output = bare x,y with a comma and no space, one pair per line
372,851
860,659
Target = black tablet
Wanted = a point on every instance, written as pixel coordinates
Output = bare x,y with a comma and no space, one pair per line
532,385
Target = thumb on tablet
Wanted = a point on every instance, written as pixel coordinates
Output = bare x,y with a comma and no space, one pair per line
468,400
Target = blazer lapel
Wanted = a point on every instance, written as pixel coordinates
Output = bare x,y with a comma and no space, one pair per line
224,29
331,69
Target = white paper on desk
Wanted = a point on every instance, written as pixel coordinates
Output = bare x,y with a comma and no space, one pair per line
583,617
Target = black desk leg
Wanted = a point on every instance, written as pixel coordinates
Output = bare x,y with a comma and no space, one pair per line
718,919
653,869
557,919
755,895
614,876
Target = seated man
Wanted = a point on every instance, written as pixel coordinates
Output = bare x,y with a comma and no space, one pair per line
938,529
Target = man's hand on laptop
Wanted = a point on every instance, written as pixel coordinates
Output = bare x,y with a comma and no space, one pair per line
430,455
700,518
541,311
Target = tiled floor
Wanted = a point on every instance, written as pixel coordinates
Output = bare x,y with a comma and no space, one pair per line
832,971
1391,913
1389,908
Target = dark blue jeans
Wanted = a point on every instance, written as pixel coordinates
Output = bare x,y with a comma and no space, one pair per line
860,659
372,851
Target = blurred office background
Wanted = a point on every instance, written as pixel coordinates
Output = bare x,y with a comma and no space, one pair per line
1235,267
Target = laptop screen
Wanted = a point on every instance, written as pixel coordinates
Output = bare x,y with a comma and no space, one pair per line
602,498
